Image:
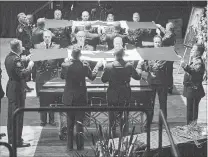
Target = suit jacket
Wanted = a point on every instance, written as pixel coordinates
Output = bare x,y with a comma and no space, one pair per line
118,74
193,78
17,75
75,72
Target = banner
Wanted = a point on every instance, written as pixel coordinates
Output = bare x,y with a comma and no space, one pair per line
52,23
162,53
48,54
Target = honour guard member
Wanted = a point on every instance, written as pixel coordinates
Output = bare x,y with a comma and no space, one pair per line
1,96
16,88
37,34
61,36
74,72
118,74
157,78
45,71
193,89
24,33
168,40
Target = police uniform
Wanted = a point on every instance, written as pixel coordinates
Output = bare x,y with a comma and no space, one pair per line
157,79
75,94
169,39
24,33
45,71
15,92
62,36
118,75
193,89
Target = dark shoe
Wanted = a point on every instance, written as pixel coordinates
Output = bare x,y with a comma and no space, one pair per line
42,124
21,144
170,91
52,123
2,135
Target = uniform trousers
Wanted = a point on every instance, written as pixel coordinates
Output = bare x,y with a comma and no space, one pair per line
161,91
192,108
15,101
170,75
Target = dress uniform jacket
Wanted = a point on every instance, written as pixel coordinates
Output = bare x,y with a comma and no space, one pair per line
45,70
24,33
193,79
118,74
15,91
62,36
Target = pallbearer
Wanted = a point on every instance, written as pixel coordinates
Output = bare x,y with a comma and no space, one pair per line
74,71
118,74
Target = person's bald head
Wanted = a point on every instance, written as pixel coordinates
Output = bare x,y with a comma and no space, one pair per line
47,36
85,16
110,18
81,36
20,14
41,22
118,43
76,52
57,14
136,17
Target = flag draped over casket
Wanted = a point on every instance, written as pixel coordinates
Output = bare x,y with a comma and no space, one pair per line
162,53
52,23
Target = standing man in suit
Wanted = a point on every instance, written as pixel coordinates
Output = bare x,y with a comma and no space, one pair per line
157,77
193,78
118,74
16,88
45,71
168,39
74,71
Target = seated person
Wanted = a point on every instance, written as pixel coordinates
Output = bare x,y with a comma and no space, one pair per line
117,32
80,41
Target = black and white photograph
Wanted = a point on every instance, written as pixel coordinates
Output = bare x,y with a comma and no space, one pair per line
103,78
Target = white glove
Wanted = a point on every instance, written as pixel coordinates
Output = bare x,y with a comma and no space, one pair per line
183,64
29,57
30,64
158,25
158,31
99,64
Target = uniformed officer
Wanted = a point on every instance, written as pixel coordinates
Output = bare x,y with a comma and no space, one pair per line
74,72
118,74
136,17
1,96
157,77
45,71
193,77
16,88
117,31
169,39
